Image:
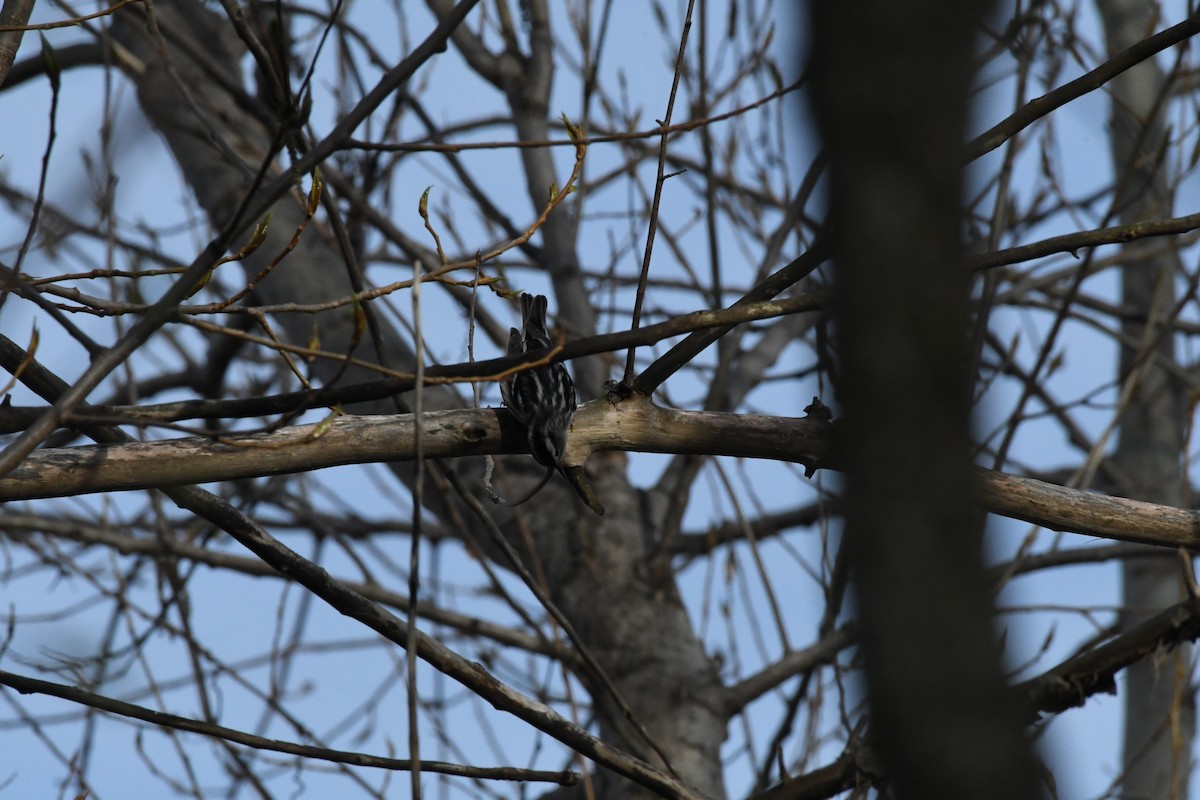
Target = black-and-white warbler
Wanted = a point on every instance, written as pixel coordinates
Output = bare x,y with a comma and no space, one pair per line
543,398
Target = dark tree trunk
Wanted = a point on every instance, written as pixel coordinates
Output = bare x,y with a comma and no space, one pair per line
892,111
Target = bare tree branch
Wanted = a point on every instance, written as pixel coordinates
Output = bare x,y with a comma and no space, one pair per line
27,685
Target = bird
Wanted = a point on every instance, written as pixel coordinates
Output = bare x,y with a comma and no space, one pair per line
542,398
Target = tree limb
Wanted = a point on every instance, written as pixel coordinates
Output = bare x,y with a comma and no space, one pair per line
26,685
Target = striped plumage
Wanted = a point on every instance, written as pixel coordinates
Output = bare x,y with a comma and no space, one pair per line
543,398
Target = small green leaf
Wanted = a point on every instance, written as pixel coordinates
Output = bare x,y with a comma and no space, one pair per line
260,233
324,425
200,284
50,60
360,320
314,193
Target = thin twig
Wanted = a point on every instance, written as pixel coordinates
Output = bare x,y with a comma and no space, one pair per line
658,188
414,551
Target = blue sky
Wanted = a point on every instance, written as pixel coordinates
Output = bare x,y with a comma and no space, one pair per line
357,690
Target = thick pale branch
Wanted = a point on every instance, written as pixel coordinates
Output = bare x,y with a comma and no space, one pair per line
1106,516
635,424
179,462
599,425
